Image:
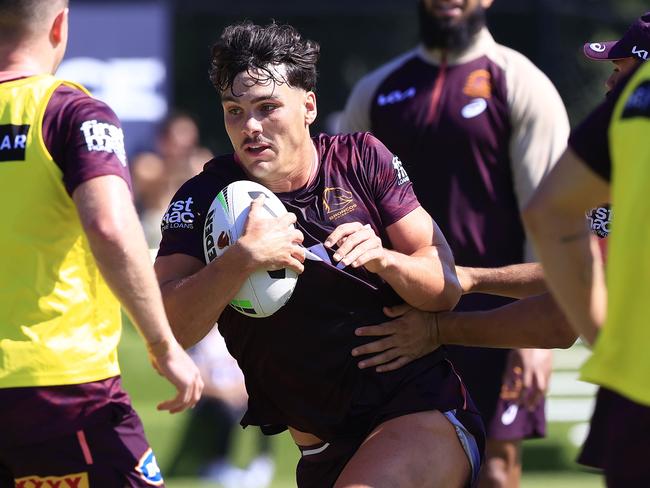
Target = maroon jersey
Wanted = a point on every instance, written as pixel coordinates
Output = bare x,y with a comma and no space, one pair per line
84,137
297,362
477,130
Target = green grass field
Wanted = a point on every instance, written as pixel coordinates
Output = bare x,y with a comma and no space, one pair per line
552,457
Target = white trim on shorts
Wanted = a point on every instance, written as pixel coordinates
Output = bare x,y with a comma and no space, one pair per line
468,441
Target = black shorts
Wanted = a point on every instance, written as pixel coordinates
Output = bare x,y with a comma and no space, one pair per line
320,465
618,441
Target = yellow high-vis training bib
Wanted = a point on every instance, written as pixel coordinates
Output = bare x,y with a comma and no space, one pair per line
59,322
621,360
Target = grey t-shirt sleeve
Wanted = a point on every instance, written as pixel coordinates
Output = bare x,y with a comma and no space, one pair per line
540,126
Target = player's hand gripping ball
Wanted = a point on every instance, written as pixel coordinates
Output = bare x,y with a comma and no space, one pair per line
264,292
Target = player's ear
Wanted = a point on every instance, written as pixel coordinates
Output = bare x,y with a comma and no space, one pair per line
486,3
59,29
310,108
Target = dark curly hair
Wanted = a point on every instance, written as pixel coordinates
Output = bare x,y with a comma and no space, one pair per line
255,49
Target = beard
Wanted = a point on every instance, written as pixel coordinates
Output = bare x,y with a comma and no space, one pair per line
438,33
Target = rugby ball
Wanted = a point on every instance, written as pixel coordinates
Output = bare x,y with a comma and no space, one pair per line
264,292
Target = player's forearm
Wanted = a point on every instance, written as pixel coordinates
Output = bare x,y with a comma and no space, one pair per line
573,276
516,281
118,245
195,302
123,259
534,322
426,279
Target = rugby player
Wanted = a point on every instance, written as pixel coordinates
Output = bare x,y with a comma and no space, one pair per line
416,427
626,54
71,244
477,126
610,140
415,333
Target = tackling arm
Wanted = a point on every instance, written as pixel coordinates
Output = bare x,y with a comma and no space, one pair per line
414,333
515,281
544,326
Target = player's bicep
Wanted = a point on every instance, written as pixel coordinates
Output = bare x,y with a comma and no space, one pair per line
172,268
415,231
104,206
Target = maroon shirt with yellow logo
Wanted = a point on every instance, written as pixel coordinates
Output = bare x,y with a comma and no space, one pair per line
297,362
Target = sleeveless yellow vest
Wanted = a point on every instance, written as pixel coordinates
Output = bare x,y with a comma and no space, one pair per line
59,322
621,361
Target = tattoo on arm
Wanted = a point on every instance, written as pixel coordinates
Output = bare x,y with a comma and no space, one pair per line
568,239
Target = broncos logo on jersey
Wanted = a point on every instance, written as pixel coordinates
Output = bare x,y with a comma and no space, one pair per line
338,202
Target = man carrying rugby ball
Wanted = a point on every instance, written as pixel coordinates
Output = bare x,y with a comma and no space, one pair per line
411,428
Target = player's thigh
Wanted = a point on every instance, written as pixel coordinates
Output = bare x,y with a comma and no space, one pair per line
415,450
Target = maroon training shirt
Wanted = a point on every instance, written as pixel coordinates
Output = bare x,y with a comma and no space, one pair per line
297,362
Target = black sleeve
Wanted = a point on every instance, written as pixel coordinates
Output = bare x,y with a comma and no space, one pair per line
182,224
590,140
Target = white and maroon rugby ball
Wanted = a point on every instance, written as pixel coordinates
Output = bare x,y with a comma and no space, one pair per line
264,292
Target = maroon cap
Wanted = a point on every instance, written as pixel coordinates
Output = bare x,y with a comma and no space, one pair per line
634,43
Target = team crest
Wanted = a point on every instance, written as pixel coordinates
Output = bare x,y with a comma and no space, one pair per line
338,202
478,84
148,469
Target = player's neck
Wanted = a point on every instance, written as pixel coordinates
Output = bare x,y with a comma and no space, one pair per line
24,60
304,171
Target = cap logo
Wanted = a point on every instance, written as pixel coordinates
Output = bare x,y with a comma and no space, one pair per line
641,53
597,46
